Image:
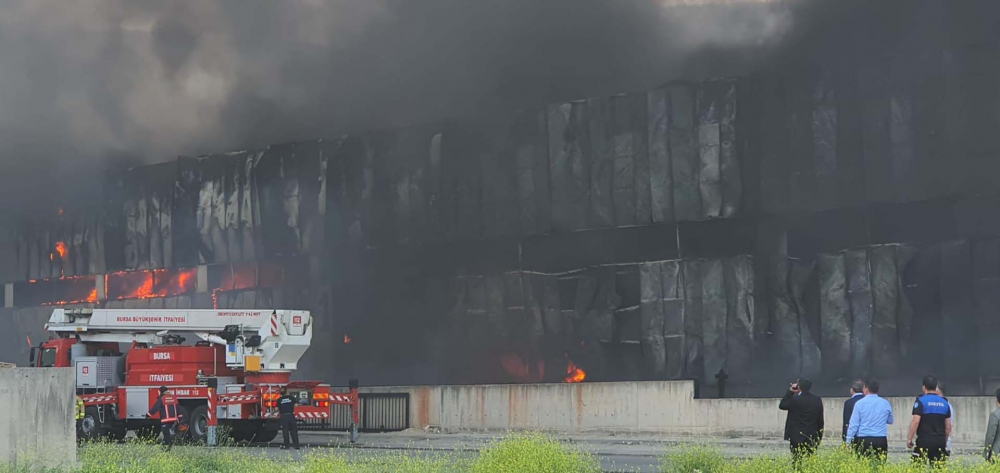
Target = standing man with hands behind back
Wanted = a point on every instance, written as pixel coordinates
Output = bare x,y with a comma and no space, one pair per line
869,426
804,425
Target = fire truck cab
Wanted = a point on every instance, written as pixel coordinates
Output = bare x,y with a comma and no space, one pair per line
234,370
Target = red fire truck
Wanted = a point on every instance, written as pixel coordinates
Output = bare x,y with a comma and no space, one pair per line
234,369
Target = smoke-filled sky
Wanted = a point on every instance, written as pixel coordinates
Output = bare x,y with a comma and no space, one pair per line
88,82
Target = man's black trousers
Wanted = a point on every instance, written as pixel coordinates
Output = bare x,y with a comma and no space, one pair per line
803,448
872,446
290,426
934,453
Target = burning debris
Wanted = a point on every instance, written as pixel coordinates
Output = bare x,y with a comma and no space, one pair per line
521,370
573,373
148,284
347,339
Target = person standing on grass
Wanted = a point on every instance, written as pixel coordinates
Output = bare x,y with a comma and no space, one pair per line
868,430
857,386
931,424
940,392
992,446
804,424
166,407
289,424
993,434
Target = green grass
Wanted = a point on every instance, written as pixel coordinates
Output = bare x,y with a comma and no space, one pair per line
708,459
528,453
533,453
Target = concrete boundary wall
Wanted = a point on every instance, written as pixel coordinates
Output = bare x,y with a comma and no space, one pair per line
653,407
37,407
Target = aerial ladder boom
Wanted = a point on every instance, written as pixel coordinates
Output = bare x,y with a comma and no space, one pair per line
267,341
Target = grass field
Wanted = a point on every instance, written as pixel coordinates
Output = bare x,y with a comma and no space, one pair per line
527,453
704,459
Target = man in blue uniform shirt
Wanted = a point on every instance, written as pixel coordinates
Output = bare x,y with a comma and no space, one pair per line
931,424
868,430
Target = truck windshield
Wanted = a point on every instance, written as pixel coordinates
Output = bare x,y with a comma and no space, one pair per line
48,358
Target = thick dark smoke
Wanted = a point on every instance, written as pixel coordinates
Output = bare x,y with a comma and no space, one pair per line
84,84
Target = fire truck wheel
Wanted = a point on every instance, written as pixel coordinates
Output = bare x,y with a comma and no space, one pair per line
198,424
89,428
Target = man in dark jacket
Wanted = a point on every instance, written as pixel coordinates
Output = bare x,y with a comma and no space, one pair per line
857,392
804,425
289,426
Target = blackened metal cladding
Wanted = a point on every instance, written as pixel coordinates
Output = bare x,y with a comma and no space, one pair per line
859,295
834,316
185,236
661,197
885,320
802,280
653,319
741,315
684,153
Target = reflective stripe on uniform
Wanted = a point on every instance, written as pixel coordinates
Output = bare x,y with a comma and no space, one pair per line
170,408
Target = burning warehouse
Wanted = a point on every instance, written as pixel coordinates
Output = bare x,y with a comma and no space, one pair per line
823,214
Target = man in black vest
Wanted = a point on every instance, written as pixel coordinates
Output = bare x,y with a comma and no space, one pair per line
804,425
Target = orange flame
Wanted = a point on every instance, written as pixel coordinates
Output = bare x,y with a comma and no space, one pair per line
347,339
93,296
573,373
61,249
146,290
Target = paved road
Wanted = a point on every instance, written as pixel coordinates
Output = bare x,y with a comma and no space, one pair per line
615,455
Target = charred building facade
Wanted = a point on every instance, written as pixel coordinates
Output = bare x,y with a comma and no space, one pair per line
828,215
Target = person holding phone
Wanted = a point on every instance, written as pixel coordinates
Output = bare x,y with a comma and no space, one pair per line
804,424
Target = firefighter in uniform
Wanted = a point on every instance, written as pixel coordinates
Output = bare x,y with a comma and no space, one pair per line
81,409
166,407
286,406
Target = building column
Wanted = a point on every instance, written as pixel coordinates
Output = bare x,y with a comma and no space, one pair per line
101,282
202,279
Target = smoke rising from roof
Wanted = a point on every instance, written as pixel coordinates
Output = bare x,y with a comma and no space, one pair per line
97,81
